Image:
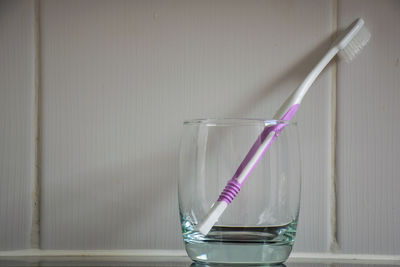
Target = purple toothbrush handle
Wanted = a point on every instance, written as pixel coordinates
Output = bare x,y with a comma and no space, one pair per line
233,187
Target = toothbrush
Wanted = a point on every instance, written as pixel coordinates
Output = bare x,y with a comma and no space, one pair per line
347,45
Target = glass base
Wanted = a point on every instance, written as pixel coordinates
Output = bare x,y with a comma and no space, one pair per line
237,253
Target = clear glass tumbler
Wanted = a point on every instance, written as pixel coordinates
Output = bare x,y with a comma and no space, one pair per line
259,226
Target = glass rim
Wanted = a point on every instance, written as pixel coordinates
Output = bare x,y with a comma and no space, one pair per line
237,122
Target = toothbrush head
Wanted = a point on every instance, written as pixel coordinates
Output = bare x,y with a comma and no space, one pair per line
360,39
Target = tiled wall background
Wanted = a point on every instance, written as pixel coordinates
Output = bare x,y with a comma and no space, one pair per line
105,85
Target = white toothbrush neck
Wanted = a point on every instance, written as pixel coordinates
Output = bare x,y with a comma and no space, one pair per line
297,96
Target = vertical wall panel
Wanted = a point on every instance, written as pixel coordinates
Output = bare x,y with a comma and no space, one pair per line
119,77
368,132
16,122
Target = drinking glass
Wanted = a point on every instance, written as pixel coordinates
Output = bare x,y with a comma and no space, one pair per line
259,226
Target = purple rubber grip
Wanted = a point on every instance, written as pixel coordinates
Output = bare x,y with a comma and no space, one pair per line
230,191
233,186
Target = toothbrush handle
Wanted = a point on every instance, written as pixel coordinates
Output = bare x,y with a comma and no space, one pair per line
269,134
297,95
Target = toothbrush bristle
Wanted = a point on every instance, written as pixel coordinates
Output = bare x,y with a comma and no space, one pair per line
353,48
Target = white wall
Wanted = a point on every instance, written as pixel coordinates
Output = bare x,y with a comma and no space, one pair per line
119,77
17,94
368,131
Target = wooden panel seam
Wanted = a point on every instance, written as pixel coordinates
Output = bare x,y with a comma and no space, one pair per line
35,237
332,227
